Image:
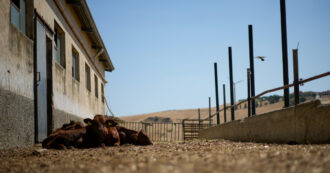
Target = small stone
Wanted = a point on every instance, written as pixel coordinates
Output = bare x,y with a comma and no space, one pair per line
38,152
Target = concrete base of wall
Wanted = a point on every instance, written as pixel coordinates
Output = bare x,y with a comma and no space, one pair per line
16,120
306,123
61,117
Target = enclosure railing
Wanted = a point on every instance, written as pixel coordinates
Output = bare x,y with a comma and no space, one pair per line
189,129
158,132
188,122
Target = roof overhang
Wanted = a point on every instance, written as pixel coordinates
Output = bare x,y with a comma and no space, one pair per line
88,26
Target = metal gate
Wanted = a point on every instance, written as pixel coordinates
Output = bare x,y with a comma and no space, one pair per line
191,129
158,132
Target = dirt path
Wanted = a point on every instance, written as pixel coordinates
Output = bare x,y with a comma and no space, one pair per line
195,156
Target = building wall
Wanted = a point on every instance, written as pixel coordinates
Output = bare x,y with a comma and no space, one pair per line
16,83
71,98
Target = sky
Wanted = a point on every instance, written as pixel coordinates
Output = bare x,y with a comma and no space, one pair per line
163,51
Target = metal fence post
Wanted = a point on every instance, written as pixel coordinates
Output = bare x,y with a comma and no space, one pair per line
252,69
199,119
224,103
284,54
216,92
183,134
296,76
231,84
210,119
249,91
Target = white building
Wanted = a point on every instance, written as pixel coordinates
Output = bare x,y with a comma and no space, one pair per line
52,69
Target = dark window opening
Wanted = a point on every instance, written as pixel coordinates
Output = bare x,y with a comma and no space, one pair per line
59,45
88,77
96,86
18,14
102,92
75,64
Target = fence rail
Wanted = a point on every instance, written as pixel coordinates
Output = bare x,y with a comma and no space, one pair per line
158,132
263,93
191,127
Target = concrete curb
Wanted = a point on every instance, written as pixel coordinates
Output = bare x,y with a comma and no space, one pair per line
305,123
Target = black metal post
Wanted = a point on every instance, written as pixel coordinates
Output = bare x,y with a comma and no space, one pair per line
296,76
199,118
216,92
284,54
231,84
210,119
252,69
249,91
224,103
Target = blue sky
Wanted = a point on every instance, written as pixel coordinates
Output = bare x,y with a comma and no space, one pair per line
163,51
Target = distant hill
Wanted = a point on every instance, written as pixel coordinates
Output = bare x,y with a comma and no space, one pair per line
157,120
264,104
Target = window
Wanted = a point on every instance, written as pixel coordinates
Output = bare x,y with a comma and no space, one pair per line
102,92
59,46
88,77
17,14
96,86
75,64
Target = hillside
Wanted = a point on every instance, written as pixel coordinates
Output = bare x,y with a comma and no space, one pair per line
268,103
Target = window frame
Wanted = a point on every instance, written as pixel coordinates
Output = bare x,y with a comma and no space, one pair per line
59,33
96,86
87,77
76,66
102,92
21,9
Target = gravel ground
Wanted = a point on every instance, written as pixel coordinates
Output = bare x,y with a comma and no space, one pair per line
194,156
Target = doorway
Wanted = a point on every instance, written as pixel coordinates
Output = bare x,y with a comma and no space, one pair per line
43,80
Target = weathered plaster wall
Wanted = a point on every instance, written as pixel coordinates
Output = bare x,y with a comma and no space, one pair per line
70,95
16,55
16,83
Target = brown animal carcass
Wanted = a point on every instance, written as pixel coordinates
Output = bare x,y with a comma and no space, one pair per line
128,136
66,136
